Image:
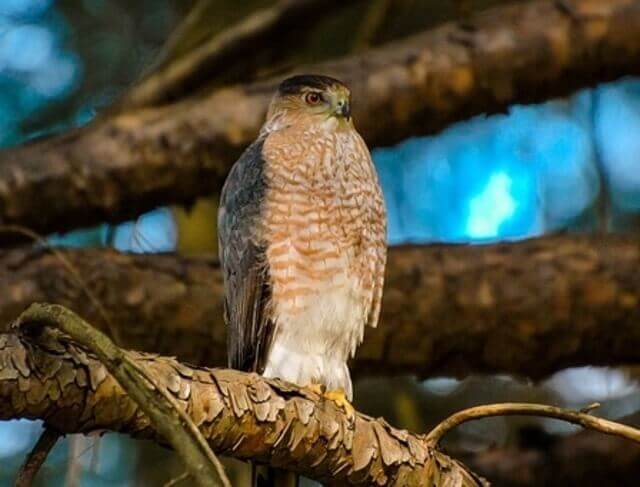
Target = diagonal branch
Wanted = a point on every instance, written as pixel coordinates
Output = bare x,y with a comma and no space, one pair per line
235,45
36,458
121,166
528,308
155,401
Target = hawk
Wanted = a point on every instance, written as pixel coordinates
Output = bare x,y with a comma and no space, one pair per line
302,240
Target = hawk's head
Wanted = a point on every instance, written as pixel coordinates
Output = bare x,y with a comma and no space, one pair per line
310,95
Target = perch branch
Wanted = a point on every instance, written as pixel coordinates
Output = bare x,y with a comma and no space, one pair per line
528,308
47,375
121,166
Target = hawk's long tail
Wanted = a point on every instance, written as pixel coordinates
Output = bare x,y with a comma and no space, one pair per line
264,476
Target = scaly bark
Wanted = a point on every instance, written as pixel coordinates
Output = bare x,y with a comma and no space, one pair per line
121,166
527,308
44,375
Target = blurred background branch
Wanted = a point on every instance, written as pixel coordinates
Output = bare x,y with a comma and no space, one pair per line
118,167
528,308
233,50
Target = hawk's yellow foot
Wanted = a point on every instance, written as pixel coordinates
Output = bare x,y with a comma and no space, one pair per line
317,388
339,397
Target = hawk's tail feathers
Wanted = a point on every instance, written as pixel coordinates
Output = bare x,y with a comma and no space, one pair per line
264,476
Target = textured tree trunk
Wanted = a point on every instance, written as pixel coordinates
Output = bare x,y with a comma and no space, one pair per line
46,376
527,308
122,165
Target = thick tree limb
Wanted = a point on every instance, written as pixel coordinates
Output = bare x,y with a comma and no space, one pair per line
49,377
528,308
119,167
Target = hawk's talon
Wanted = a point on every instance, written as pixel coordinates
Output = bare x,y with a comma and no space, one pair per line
339,397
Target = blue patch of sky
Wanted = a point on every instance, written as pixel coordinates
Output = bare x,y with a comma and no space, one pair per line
534,170
36,66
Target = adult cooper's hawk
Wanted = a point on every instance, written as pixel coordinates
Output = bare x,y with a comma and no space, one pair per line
302,239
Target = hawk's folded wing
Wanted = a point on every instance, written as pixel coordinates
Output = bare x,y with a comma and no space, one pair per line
245,270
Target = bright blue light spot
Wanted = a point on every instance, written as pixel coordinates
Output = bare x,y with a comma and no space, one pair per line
16,436
25,47
616,132
492,207
36,67
152,232
57,78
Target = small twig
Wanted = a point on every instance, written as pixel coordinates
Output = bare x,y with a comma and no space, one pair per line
590,408
176,480
36,457
169,419
525,409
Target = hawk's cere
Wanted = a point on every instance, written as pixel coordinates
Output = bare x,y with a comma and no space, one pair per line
302,230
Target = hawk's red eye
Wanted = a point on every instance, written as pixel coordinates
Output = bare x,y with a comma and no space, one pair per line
312,98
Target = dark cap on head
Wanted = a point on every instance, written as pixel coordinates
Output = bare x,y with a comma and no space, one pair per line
295,84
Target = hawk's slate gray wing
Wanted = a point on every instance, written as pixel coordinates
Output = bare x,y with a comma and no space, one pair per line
244,267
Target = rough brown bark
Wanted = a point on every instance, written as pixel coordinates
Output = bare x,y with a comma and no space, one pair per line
528,308
46,376
121,166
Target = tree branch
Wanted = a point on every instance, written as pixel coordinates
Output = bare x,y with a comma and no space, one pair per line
36,458
584,419
527,308
121,166
50,377
585,459
47,374
211,60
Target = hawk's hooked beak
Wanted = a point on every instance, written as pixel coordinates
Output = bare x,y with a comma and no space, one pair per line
343,108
